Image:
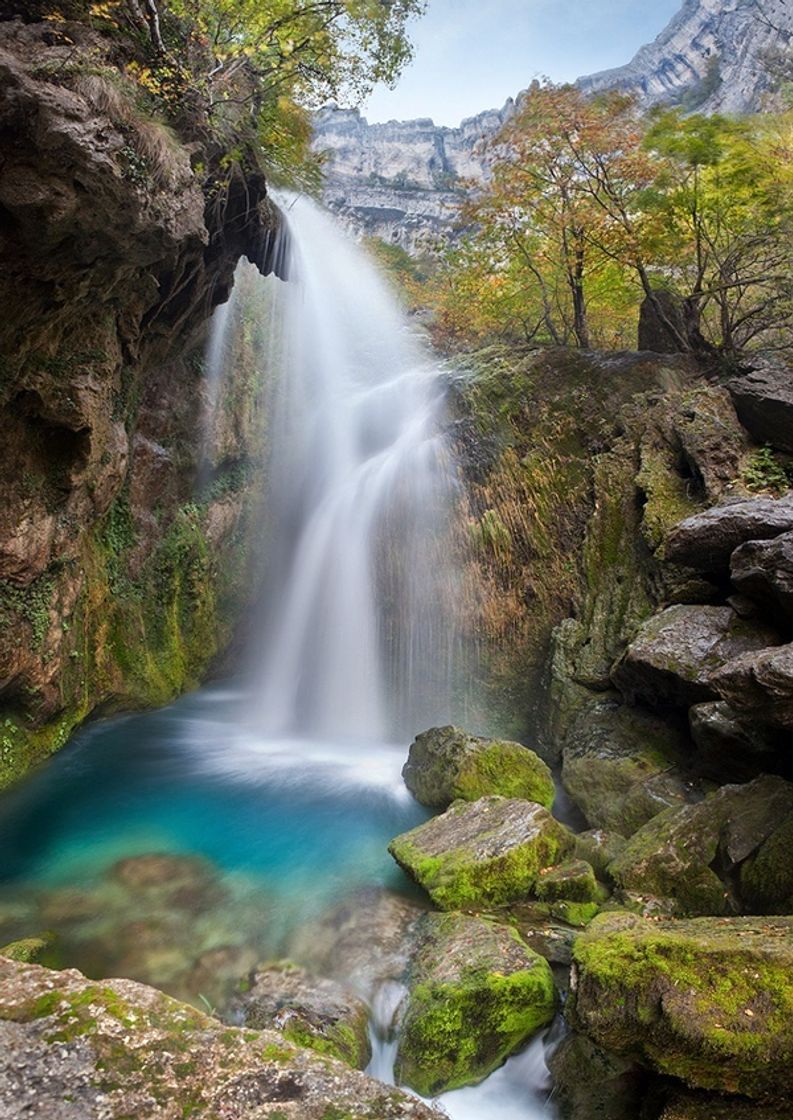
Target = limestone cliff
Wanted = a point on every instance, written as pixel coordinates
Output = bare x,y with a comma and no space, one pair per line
118,235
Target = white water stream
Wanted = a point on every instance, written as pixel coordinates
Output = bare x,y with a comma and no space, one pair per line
356,644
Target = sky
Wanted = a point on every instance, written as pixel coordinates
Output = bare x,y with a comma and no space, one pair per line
472,55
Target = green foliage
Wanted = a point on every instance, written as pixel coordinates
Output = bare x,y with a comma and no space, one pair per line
764,471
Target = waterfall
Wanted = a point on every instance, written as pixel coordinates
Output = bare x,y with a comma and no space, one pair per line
355,639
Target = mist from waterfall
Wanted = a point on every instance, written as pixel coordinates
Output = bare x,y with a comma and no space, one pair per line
355,640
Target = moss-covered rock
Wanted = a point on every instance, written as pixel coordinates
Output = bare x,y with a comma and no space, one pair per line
599,847
28,949
685,1105
120,1049
308,1010
482,853
707,1001
673,855
446,764
476,994
574,881
767,876
622,766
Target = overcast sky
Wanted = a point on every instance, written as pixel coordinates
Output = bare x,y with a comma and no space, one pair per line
474,54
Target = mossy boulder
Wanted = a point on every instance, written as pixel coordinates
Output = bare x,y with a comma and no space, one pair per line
482,853
672,856
27,949
767,876
119,1049
308,1010
574,881
477,993
589,1084
708,1001
622,766
446,764
683,1104
599,847
675,653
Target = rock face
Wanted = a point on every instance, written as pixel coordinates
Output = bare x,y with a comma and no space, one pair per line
401,181
482,853
707,1001
112,260
759,686
763,399
673,855
74,1049
763,570
476,994
675,654
712,54
446,764
307,1010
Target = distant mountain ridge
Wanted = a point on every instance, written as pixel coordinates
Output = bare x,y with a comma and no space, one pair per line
399,180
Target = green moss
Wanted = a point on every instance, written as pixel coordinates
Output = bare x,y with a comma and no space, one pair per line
767,878
507,769
31,605
456,1033
28,949
709,1001
573,881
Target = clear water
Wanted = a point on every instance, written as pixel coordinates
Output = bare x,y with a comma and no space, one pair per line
279,796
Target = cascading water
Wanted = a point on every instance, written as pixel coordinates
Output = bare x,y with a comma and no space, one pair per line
286,785
355,644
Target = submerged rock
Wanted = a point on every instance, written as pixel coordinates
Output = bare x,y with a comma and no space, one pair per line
621,766
672,856
446,764
482,853
366,940
708,1001
707,540
760,686
182,882
73,1049
673,657
308,1010
477,993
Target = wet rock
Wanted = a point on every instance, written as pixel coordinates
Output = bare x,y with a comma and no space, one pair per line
763,571
476,994
182,882
673,657
682,1105
446,764
706,1001
589,1084
763,399
728,749
308,1010
481,853
366,940
767,876
622,766
707,540
540,930
759,686
72,1048
599,847
672,856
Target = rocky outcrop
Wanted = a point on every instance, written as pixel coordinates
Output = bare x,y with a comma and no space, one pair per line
712,57
120,233
763,571
482,853
446,764
707,540
103,1051
763,398
706,1001
476,993
760,686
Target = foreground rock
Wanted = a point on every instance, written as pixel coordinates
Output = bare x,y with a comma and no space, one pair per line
760,686
707,540
73,1049
477,993
707,1001
674,655
307,1010
483,853
589,1084
446,764
672,856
